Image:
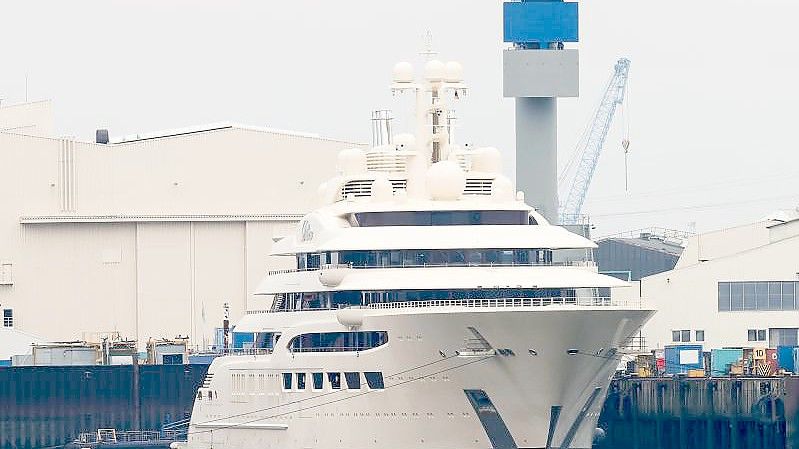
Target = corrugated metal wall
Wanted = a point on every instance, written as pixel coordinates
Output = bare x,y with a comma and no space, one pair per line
615,255
41,407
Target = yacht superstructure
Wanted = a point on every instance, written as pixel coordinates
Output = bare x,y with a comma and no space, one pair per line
427,309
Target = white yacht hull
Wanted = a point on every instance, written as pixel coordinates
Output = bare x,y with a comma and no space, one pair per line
560,356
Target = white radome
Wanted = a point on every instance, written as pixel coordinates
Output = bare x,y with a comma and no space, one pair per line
445,181
435,70
351,161
382,189
487,160
503,188
405,141
403,72
454,72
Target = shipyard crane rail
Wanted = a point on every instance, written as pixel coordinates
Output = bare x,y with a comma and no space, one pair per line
593,142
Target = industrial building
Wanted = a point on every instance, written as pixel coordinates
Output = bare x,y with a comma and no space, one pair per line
736,287
148,237
636,254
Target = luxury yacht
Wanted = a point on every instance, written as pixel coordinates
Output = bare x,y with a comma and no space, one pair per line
429,307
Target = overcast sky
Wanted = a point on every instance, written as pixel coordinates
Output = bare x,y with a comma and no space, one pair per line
712,107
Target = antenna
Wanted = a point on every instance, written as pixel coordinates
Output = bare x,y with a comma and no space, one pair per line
427,42
26,87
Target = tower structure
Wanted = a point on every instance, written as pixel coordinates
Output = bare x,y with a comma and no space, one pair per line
538,70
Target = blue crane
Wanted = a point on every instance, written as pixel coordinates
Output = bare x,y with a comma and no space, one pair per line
592,143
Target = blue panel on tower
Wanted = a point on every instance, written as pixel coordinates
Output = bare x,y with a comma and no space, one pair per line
540,21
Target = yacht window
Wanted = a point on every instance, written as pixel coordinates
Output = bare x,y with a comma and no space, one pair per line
374,380
287,381
318,380
443,218
300,381
335,380
353,380
314,261
338,341
451,257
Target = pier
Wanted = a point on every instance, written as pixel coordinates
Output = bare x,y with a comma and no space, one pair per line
701,413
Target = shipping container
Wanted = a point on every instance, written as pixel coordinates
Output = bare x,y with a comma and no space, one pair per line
785,358
681,358
722,359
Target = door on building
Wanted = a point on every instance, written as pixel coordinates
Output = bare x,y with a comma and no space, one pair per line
783,336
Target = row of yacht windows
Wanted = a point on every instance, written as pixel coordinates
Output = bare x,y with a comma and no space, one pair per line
341,299
332,381
338,341
313,342
443,218
419,258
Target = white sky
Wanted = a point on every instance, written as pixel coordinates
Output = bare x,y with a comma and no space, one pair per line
713,91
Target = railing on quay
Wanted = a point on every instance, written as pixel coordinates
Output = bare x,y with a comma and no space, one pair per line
568,263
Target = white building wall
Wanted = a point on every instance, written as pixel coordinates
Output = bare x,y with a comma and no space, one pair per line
149,238
34,118
687,297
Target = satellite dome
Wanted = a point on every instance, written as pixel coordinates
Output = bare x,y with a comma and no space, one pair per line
405,141
403,72
351,161
502,189
332,277
434,70
487,160
382,190
445,181
453,72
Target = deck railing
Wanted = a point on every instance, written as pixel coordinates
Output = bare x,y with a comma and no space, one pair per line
604,301
568,263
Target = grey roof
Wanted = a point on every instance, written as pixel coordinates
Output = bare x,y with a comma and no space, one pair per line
650,243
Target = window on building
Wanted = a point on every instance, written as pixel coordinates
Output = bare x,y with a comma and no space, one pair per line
318,380
8,318
683,335
783,337
335,380
756,335
300,381
757,296
353,380
374,380
700,335
6,274
287,381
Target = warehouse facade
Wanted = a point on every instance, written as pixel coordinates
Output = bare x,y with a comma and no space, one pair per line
149,237
736,287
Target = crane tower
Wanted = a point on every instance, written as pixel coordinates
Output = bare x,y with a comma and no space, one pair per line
594,141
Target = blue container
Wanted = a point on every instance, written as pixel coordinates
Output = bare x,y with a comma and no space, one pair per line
785,358
796,357
721,359
681,358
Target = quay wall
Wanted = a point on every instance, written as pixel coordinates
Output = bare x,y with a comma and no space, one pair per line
47,407
701,413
